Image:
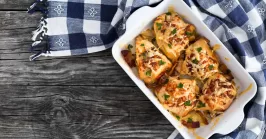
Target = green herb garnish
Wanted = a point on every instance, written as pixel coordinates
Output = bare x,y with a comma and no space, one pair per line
148,73
159,26
173,31
168,13
142,44
187,103
200,104
211,67
195,61
130,46
166,96
180,85
189,120
177,117
144,55
199,49
161,62
169,45
189,33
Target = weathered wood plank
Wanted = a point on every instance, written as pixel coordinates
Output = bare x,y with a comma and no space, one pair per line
97,100
15,33
15,4
12,20
88,126
102,70
79,112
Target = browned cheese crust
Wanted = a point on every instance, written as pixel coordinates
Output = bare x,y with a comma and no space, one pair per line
200,61
218,93
151,63
173,34
178,95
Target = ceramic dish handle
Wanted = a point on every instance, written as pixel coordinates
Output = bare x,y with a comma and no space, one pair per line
140,14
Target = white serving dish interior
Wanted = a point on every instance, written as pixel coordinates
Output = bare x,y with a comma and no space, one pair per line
143,19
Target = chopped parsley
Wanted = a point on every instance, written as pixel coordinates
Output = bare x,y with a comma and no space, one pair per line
177,117
144,55
159,26
130,46
168,13
169,45
189,33
199,49
148,73
142,44
211,67
166,96
195,61
187,103
180,85
161,62
173,31
200,104
189,120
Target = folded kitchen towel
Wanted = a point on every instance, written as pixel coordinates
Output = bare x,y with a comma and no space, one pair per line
240,25
75,27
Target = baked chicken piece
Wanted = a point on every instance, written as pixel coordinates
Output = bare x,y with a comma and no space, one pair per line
218,93
151,63
178,95
173,34
200,61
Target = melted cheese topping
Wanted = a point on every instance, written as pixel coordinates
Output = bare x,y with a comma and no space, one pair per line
227,59
215,123
216,47
246,90
178,96
172,34
218,93
195,134
171,9
200,61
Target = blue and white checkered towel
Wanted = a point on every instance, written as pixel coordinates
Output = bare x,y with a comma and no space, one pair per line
74,27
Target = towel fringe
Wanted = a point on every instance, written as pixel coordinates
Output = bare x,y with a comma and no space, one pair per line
39,36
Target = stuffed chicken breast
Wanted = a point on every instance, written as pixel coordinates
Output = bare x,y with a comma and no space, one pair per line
200,61
151,63
173,34
218,93
178,95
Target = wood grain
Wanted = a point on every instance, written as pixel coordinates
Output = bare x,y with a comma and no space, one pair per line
18,5
77,97
79,112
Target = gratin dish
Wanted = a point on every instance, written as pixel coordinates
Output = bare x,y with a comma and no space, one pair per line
234,115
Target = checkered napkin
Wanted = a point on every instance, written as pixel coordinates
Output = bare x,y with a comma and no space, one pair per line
240,25
75,27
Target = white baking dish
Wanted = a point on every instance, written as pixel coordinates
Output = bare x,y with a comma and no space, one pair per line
232,118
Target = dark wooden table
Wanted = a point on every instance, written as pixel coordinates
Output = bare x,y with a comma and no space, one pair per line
77,97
